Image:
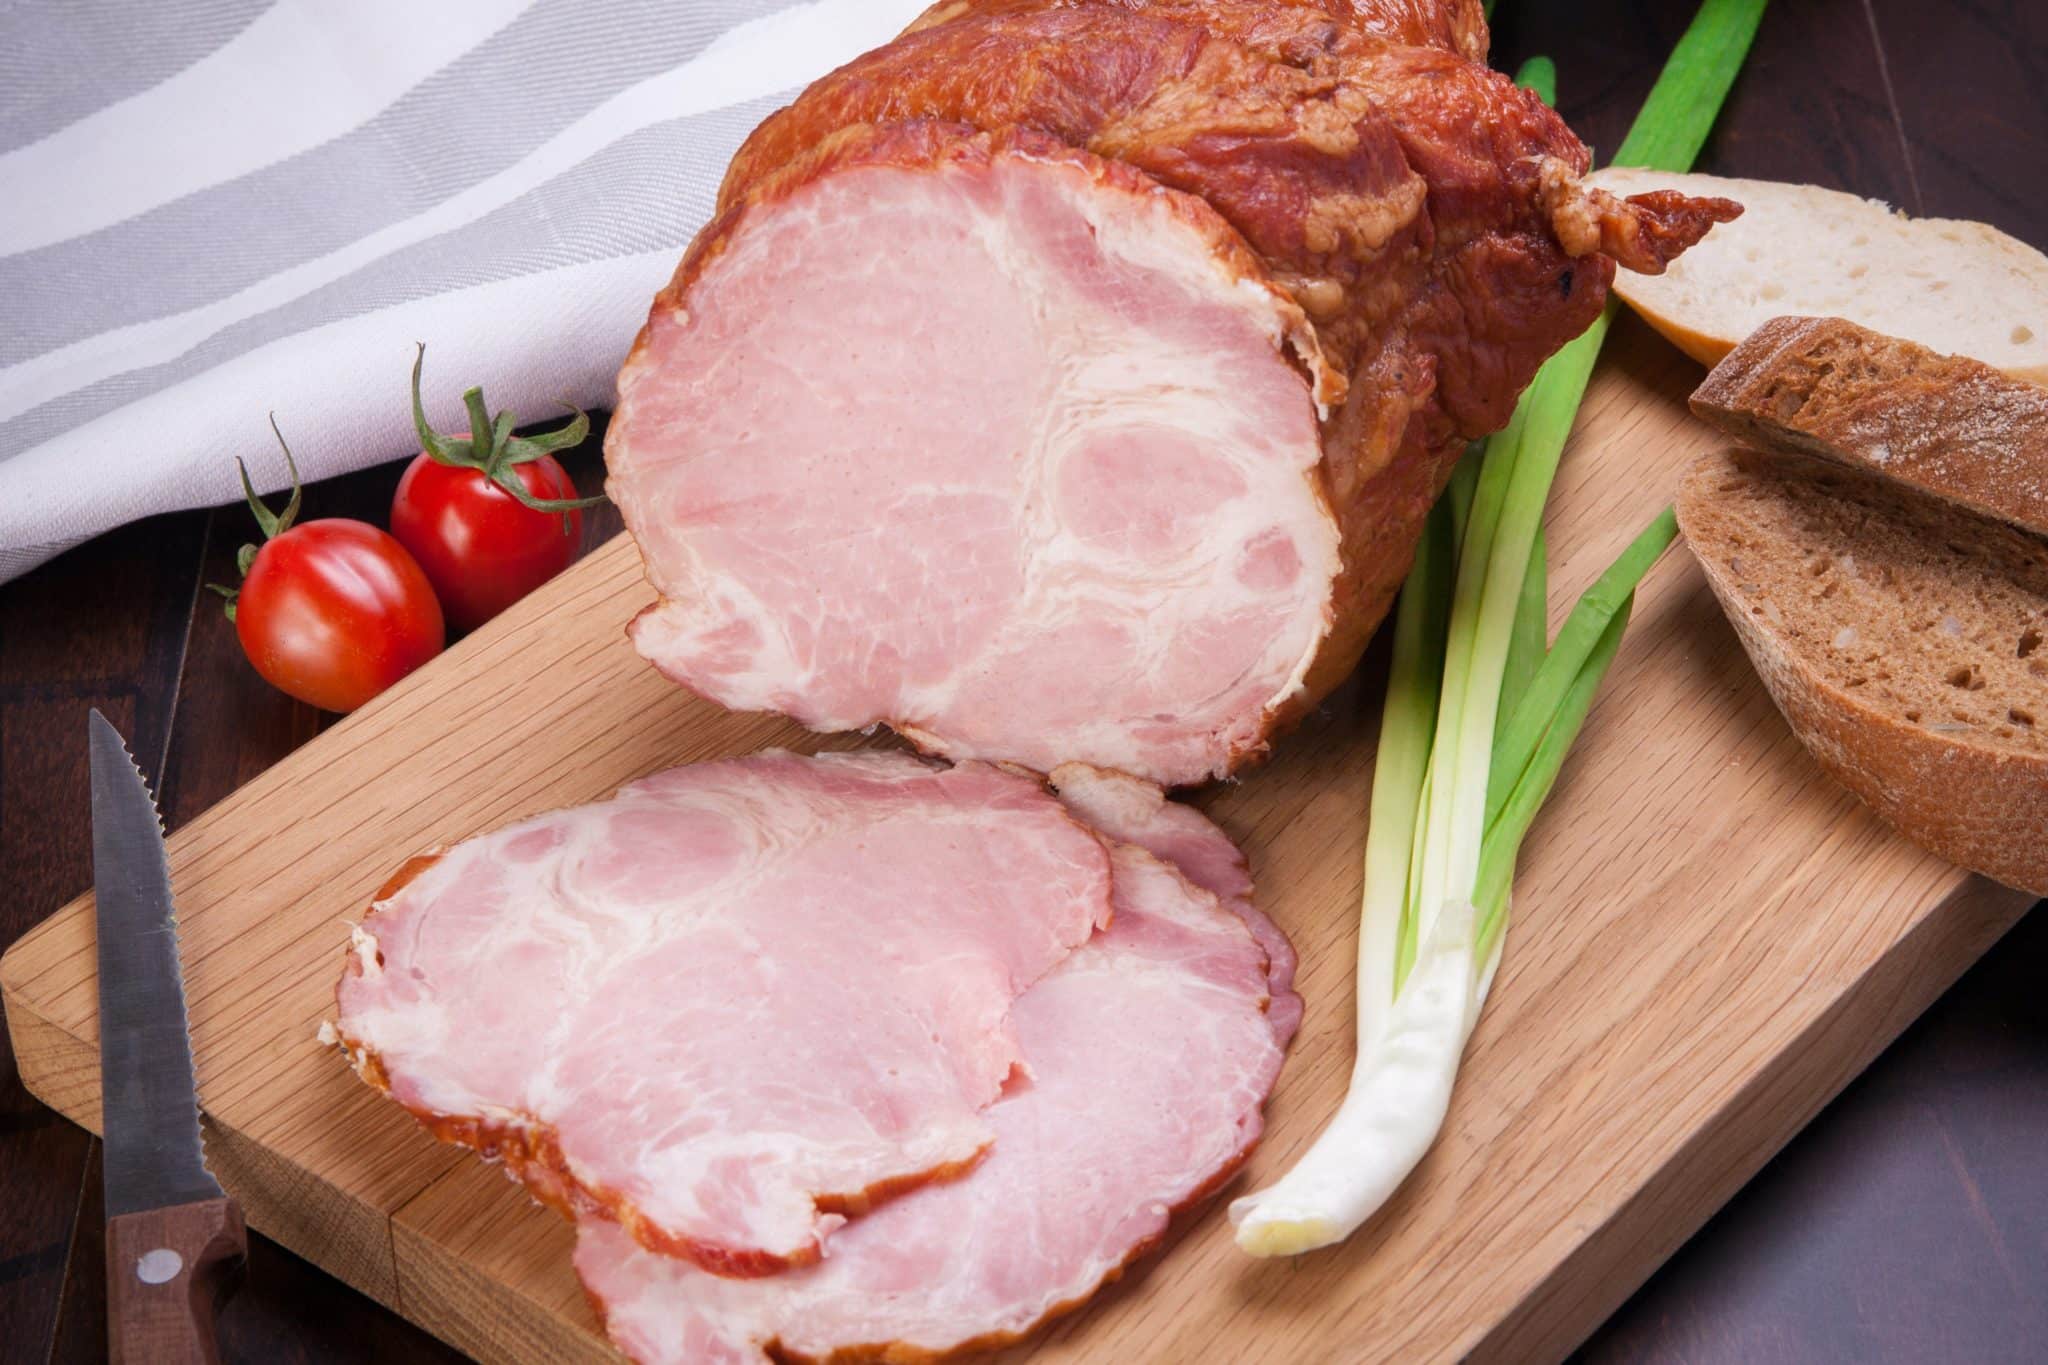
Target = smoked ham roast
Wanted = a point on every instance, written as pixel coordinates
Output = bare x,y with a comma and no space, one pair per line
735,1002
1151,1054
1067,380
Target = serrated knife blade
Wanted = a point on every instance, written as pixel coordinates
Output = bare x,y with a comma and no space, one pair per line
171,1230
151,1105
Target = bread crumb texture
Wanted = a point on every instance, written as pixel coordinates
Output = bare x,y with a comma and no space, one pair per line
1931,616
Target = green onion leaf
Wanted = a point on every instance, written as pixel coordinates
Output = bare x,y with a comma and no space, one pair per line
1539,74
1504,840
1675,120
1577,639
1529,637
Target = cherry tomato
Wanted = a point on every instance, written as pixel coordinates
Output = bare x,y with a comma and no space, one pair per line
482,548
335,611
490,516
331,612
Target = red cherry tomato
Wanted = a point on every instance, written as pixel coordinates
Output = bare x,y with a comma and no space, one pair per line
482,548
335,611
490,516
332,612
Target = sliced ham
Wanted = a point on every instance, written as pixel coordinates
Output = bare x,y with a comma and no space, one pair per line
1151,1054
1131,811
736,1001
987,438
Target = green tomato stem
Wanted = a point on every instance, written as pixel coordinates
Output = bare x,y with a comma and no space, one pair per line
493,450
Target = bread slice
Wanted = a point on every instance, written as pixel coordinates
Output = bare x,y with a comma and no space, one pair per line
1961,288
1947,425
1905,640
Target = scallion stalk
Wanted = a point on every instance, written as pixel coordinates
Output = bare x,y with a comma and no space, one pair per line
1674,121
1532,625
1478,720
1406,723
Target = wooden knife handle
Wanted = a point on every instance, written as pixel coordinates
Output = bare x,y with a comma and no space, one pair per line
167,1271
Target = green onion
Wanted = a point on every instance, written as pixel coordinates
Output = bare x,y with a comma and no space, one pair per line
1406,723
1479,717
1527,636
1516,741
1539,74
1518,808
1674,121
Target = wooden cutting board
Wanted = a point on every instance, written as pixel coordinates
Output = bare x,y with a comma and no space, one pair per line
1710,939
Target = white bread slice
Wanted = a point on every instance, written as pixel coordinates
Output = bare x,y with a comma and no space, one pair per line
1904,639
1960,288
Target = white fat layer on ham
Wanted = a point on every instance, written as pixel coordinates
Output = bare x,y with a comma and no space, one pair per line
1151,1057
734,987
997,454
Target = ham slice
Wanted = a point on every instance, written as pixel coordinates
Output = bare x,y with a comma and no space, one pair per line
990,439
1130,811
1151,1054
736,1001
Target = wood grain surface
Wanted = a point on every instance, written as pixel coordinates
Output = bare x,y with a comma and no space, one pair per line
1908,1223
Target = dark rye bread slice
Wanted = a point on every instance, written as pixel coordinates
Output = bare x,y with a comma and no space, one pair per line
1905,640
1947,424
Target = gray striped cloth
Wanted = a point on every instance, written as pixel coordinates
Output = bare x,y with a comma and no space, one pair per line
215,209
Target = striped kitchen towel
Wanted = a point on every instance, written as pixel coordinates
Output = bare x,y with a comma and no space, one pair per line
214,209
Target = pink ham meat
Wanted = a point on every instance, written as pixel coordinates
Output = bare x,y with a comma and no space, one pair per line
1151,1054
735,1001
1131,811
987,438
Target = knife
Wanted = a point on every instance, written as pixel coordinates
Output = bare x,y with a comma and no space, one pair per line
175,1242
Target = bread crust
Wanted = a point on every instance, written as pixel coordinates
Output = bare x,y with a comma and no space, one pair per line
1946,425
1978,806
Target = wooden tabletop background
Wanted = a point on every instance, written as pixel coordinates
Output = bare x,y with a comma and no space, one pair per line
1909,1223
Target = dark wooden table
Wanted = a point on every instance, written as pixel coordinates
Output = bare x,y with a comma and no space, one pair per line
1908,1223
